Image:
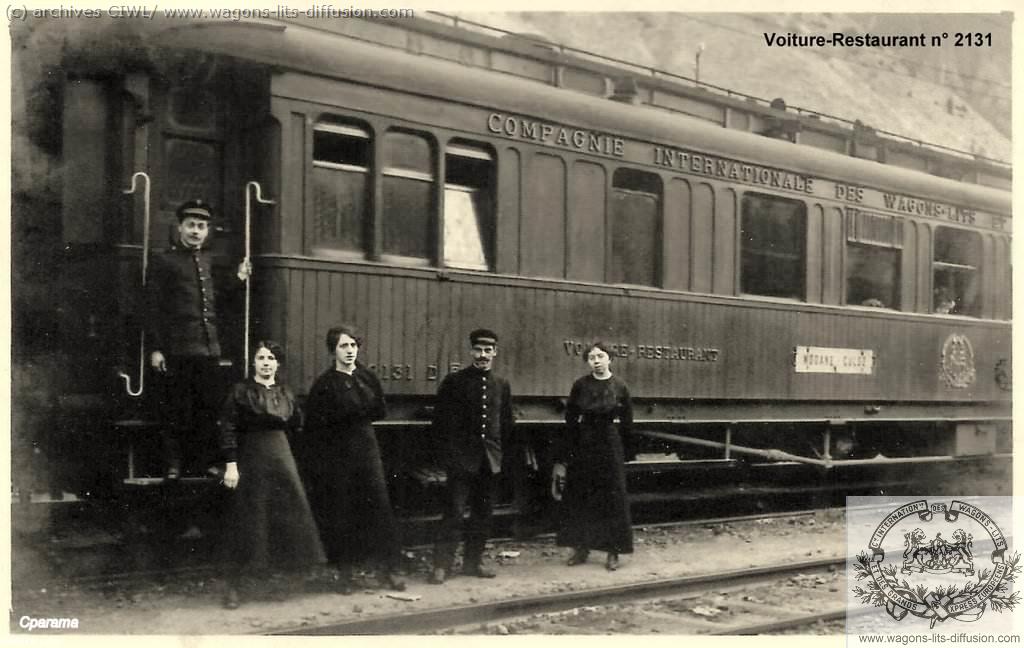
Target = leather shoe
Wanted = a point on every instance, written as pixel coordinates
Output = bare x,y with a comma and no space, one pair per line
613,562
231,601
344,588
389,581
438,576
478,570
579,556
343,585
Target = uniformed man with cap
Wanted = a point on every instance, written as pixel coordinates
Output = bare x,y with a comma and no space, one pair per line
472,422
182,336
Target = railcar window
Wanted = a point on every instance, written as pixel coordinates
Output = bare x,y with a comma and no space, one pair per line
193,107
773,241
872,276
341,176
408,202
635,227
957,275
468,206
873,244
1004,292
192,169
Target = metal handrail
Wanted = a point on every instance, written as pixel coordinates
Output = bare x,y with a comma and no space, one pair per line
248,249
145,265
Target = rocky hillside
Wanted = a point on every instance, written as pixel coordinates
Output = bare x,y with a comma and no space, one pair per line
955,96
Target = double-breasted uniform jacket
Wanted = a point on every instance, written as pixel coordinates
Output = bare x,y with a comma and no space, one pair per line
181,304
473,419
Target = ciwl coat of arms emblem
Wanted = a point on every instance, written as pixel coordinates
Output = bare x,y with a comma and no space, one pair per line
957,364
938,556
990,574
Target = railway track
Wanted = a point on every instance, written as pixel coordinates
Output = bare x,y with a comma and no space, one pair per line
210,568
533,596
678,605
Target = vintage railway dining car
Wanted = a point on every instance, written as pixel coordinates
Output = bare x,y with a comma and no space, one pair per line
762,284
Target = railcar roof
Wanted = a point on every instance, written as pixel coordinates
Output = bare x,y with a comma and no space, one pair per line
653,76
306,47
293,46
525,55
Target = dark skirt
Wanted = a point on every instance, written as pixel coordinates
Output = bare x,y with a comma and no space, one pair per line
595,512
269,521
349,493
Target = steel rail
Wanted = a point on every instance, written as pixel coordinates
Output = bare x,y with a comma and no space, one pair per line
444,618
783,624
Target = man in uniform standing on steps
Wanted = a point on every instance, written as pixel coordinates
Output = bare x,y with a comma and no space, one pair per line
181,332
472,422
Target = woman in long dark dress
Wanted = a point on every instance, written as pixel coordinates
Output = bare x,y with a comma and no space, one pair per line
348,488
269,522
589,461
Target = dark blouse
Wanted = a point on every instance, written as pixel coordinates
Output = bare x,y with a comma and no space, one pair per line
594,404
252,407
339,401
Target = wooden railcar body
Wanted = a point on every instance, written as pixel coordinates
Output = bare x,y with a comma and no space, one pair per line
694,337
696,347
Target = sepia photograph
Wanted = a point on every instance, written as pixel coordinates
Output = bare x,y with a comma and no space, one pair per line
342,321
